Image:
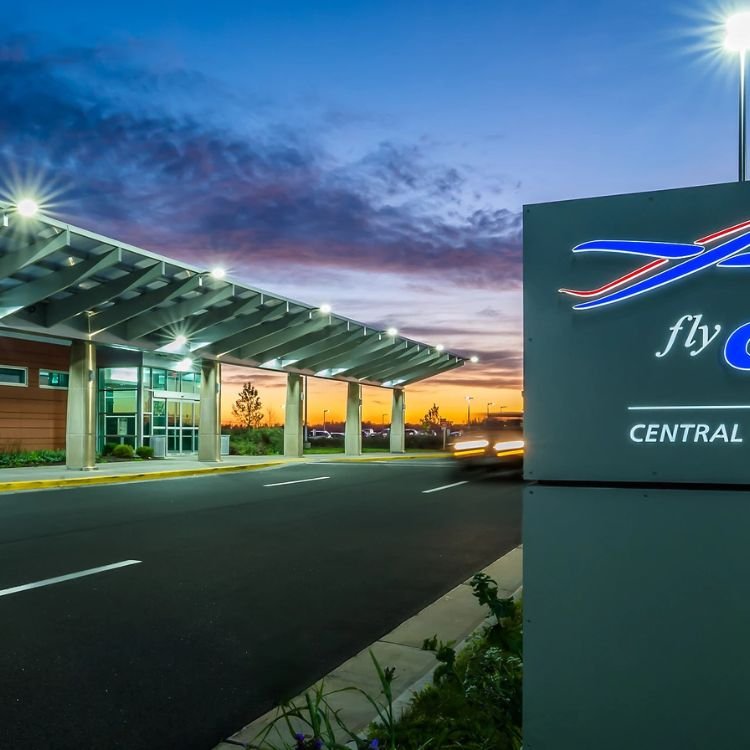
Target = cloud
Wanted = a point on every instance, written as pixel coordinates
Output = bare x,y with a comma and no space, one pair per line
135,161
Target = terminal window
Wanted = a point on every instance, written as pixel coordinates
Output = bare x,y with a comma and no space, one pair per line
13,375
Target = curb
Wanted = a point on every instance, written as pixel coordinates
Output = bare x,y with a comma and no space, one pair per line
403,642
146,476
43,484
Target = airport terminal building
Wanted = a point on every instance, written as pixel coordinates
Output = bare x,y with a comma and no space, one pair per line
103,342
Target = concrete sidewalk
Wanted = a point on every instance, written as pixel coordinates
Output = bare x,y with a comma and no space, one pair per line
47,477
453,617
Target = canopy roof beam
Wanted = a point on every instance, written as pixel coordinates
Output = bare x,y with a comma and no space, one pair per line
285,350
59,311
39,250
174,314
37,290
125,310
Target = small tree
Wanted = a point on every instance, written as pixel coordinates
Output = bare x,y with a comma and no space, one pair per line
431,418
248,409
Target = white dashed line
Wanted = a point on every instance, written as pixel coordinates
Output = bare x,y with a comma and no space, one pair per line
296,481
445,487
68,577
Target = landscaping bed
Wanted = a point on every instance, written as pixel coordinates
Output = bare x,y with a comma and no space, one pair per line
473,703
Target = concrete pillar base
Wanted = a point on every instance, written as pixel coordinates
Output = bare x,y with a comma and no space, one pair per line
353,429
80,438
398,422
293,432
209,429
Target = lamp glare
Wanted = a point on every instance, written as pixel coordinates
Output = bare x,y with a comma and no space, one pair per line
439,347
27,208
180,340
218,273
738,32
392,331
325,308
474,359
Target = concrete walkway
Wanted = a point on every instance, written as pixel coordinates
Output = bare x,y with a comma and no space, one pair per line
453,617
44,477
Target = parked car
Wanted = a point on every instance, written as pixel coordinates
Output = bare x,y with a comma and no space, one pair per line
338,435
319,434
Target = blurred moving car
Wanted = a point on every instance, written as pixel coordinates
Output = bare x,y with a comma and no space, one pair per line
497,442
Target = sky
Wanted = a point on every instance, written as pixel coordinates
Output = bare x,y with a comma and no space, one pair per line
374,155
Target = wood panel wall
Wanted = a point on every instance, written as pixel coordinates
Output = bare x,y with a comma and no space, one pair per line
33,418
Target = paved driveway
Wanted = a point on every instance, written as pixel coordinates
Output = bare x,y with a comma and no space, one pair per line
231,593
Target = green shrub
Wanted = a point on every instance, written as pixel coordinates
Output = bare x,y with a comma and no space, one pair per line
108,448
145,451
17,458
261,441
123,451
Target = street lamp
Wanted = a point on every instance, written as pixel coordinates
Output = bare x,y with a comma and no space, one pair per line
489,403
469,399
738,40
501,408
325,411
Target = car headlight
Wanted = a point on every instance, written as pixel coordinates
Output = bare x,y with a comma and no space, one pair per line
509,447
469,445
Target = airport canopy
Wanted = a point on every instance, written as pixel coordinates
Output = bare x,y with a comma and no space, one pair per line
65,282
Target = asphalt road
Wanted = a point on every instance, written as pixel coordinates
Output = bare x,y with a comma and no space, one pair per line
244,593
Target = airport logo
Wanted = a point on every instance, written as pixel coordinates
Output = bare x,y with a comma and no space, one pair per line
669,262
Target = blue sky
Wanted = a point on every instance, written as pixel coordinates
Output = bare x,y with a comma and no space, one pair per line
376,153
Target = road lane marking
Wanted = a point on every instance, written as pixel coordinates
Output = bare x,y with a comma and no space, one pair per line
445,487
68,577
296,481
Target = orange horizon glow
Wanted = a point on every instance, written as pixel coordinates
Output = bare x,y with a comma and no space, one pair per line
446,391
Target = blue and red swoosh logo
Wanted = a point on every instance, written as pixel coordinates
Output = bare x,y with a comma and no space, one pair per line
670,262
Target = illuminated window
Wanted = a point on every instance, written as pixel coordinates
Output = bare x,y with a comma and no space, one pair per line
53,379
18,376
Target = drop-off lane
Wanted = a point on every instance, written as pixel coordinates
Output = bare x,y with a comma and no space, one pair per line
246,594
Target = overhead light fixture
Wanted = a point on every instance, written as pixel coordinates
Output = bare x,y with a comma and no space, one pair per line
474,359
180,340
392,331
325,308
27,207
439,348
218,272
185,365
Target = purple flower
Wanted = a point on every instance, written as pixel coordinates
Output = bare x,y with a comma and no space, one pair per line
300,739
318,744
374,745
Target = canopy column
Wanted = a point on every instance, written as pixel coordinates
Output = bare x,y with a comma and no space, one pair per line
209,428
398,421
80,437
293,437
353,429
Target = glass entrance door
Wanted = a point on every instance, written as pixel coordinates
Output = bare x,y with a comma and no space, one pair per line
182,426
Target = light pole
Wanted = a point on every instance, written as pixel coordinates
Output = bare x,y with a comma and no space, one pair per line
738,40
469,399
325,411
489,403
382,420
501,409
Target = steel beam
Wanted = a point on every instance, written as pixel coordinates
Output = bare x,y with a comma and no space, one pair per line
61,310
157,319
26,256
122,311
285,350
37,290
259,351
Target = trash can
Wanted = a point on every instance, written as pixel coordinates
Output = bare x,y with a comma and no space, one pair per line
159,444
224,447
